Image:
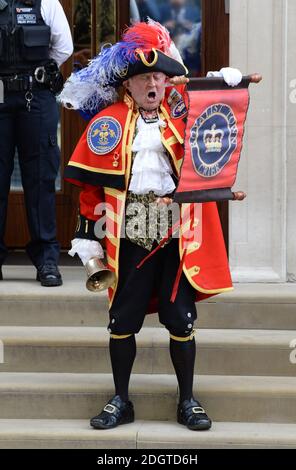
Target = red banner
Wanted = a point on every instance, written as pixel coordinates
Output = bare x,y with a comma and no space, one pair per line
213,142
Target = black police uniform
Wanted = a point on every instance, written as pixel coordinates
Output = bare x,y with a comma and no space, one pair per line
28,123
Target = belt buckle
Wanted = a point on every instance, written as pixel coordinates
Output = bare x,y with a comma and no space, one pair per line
40,74
198,410
110,408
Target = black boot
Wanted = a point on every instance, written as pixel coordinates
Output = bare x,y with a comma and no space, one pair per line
115,412
191,414
49,275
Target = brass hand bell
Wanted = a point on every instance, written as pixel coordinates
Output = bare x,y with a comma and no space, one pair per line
99,277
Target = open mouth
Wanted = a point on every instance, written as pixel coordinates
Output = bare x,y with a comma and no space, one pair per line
151,95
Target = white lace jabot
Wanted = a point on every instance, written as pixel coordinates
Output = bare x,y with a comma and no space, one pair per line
151,169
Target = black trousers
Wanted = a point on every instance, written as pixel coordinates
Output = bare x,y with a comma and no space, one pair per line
135,287
34,135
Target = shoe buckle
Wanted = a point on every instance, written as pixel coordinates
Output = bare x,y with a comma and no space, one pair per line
110,408
198,410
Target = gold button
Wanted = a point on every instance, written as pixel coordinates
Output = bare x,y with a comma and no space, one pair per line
196,269
115,164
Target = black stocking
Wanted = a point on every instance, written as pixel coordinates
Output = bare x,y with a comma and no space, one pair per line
183,358
122,353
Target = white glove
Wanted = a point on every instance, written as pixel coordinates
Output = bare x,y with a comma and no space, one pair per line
230,75
86,249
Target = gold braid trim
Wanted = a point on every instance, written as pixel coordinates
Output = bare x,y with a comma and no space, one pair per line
120,336
144,60
181,339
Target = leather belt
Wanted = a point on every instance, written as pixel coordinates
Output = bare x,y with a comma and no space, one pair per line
21,83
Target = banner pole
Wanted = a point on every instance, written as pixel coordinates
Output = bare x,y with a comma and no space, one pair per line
252,78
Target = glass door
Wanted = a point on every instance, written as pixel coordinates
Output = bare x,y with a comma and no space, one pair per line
93,22
183,18
200,29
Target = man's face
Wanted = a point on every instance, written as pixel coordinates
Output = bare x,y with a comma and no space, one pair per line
147,89
177,3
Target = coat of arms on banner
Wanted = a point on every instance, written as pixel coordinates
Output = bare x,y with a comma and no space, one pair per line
213,139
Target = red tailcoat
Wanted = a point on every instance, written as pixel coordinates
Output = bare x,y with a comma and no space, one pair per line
104,177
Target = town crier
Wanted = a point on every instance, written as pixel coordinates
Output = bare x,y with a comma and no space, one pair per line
127,164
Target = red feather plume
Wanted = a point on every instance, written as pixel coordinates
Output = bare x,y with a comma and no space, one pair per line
146,36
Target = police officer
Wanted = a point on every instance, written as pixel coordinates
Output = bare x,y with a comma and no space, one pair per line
35,40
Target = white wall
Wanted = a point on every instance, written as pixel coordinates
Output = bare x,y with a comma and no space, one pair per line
291,141
262,39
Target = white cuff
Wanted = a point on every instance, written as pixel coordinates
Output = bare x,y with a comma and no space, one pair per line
86,249
231,76
215,74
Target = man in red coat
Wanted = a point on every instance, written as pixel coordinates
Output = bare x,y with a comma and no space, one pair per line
127,163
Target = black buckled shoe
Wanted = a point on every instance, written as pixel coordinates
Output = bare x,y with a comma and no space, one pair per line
49,275
192,415
115,412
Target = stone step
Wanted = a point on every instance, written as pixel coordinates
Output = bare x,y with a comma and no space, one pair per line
86,349
25,302
81,396
77,434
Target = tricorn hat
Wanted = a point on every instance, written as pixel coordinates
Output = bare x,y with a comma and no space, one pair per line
156,61
145,47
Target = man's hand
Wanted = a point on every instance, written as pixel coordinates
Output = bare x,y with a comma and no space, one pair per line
171,24
164,201
179,80
239,196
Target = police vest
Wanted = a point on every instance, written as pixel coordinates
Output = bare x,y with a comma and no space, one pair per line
24,37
